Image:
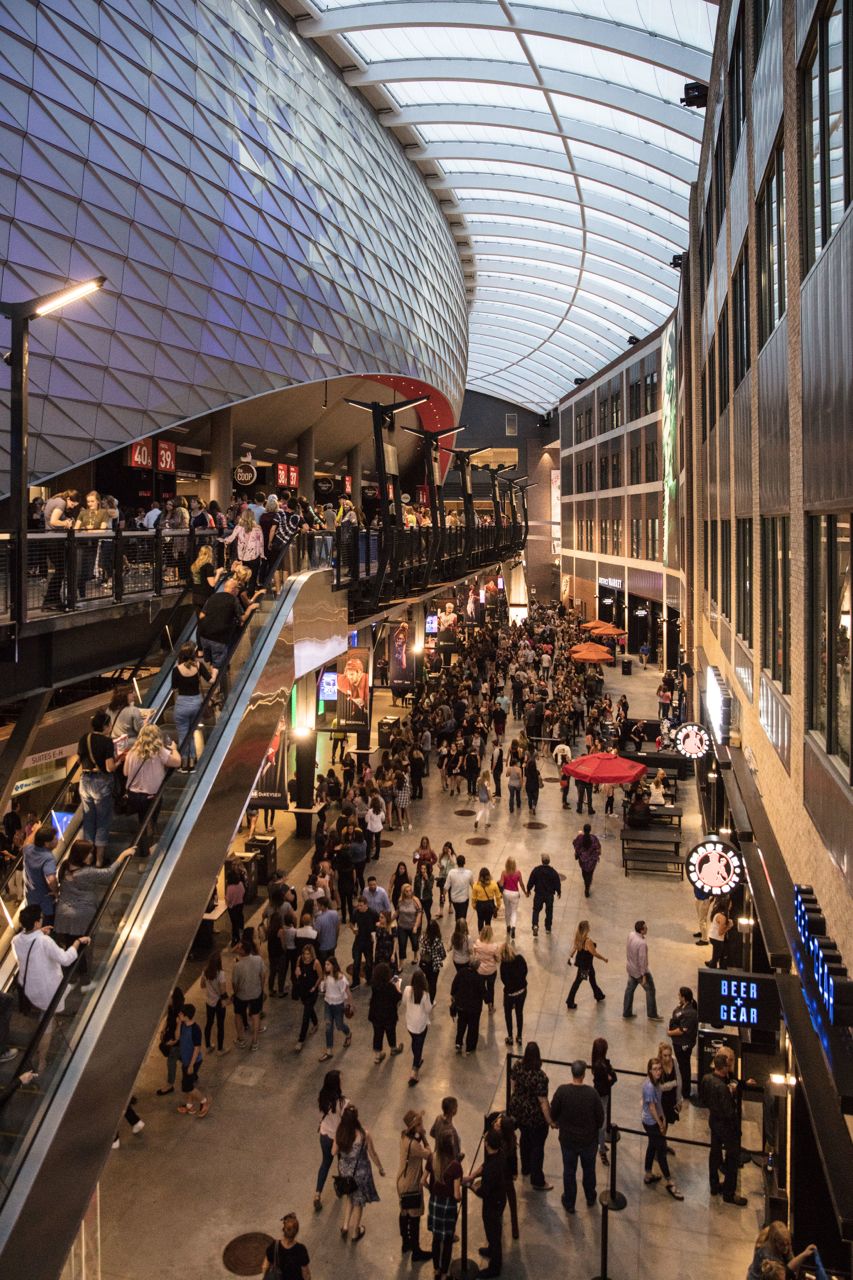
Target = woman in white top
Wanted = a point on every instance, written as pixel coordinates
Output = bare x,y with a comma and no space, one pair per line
331,1102
375,819
40,968
335,989
658,792
417,1008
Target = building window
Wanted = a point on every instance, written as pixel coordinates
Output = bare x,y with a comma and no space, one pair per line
616,410
723,356
770,217
636,540
826,129
650,388
651,461
775,600
715,564
588,423
705,555
652,532
604,471
760,11
603,538
579,428
726,568
634,463
711,368
617,536
743,579
830,649
703,403
740,317
566,477
588,476
719,185
603,415
710,237
579,478
590,538
635,399
737,89
511,424
616,469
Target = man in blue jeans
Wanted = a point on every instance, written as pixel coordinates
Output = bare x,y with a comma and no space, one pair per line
637,967
578,1113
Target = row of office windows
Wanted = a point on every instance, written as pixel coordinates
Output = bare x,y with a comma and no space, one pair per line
775,595
610,469
610,537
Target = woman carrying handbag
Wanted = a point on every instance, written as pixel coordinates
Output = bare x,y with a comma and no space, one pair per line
414,1150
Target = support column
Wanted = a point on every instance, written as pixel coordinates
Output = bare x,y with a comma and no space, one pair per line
221,457
305,461
304,737
354,466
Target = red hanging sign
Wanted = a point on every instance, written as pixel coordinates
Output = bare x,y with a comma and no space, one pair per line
281,470
140,454
167,455
348,484
293,477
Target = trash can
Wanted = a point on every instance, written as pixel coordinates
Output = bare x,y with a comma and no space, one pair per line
265,849
627,666
388,726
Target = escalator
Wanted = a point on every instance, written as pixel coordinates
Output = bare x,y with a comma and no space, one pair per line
56,1136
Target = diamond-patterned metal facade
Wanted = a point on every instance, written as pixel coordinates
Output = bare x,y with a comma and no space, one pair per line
257,226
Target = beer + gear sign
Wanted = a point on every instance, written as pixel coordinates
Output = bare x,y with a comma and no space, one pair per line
731,998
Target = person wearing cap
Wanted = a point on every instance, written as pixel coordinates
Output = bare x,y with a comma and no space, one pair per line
414,1150
578,1113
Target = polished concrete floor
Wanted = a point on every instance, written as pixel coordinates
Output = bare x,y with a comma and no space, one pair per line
174,1196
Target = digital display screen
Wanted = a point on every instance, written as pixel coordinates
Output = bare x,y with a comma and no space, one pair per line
328,691
431,624
61,820
731,998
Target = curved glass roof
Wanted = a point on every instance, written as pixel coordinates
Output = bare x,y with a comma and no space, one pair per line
553,136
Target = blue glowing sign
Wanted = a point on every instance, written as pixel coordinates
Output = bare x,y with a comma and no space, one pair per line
734,999
328,686
830,974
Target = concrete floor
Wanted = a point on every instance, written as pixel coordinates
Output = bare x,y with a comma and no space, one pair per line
174,1196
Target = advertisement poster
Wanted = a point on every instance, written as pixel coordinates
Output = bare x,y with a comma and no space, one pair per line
354,690
271,783
669,426
401,663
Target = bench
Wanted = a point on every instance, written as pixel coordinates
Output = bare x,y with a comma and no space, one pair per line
655,851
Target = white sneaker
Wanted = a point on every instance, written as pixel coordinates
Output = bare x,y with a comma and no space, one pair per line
116,1144
88,986
8,1055
138,1127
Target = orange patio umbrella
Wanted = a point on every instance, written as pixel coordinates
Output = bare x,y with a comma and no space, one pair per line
608,629
590,653
594,625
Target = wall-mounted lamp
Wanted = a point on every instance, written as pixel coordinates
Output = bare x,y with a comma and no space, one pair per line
778,1084
301,731
745,924
713,775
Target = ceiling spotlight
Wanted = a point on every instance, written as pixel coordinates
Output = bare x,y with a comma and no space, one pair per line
579,381
695,95
677,261
632,341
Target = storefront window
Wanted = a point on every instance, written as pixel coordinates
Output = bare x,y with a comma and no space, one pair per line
840,622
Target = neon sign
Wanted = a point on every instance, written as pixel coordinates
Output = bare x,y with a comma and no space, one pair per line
830,974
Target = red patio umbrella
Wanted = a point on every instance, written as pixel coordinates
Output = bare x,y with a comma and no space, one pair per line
601,767
590,653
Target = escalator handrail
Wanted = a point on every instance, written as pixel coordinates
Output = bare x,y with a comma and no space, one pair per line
215,686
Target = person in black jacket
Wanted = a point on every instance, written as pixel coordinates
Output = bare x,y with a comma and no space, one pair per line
718,1093
514,979
544,883
492,1177
683,1032
384,1002
466,993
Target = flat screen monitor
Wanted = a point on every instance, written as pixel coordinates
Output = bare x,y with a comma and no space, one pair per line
431,624
328,686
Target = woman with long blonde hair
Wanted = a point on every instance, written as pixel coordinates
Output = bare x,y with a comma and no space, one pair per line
145,767
250,543
511,884
484,955
585,952
205,575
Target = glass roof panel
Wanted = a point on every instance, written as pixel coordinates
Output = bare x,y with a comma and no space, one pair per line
565,267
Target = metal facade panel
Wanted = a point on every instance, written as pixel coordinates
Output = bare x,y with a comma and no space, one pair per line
826,324
767,93
222,165
723,478
738,206
805,13
774,435
742,429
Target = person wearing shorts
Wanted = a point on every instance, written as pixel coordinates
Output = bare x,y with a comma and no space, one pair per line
195,1102
247,978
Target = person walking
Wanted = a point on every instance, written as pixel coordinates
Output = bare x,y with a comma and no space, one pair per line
483,791
585,954
414,1151
584,795
247,980
587,849
486,896
528,1106
511,885
409,919
170,1041
684,1032
287,1258
444,1181
497,765
466,994
432,956
544,883
195,1101
331,1103
215,988
382,1013
446,860
655,1125
639,975
485,953
306,987
417,1009
363,925
603,1080
514,779
459,882
514,980
335,988
532,783
578,1114
356,1154
718,1092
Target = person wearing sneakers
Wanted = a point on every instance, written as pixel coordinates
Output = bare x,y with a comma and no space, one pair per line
335,988
637,967
484,800
511,885
654,1123
544,883
195,1102
247,978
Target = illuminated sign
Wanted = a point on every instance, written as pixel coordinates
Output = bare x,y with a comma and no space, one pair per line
836,989
292,476
328,686
718,704
727,997
141,454
167,455
431,624
245,474
714,866
348,485
616,583
692,741
281,475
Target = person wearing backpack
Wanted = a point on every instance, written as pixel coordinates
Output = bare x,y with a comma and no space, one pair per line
287,1258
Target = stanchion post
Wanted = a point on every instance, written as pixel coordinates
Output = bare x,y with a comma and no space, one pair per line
611,1199
605,1216
508,1080
464,1268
